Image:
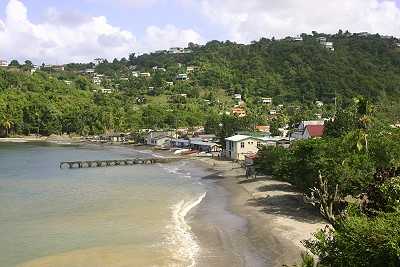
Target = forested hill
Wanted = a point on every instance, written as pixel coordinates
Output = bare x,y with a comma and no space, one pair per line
290,70
294,72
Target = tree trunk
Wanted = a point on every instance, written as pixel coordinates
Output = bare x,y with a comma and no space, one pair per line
325,199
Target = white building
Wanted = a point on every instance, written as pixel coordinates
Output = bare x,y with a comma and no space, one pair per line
3,63
238,146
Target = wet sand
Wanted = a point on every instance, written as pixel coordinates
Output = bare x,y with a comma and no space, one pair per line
276,219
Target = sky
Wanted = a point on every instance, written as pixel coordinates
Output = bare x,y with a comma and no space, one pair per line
65,31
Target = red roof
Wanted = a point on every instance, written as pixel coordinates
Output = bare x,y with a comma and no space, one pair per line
315,130
252,156
264,129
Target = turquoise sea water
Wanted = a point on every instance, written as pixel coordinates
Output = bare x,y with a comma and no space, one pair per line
100,216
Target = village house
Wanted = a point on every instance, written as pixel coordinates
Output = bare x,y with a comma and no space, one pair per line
363,34
3,63
313,131
97,78
158,138
179,50
170,83
239,111
237,96
89,72
175,50
204,137
297,39
145,74
113,137
303,133
322,41
189,69
263,128
58,67
238,146
97,61
182,76
181,143
104,90
266,100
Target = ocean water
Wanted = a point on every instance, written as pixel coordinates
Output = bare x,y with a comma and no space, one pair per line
131,215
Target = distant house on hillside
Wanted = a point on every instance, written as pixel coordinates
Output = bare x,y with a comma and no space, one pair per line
297,38
304,133
363,34
3,63
182,76
58,67
322,41
97,61
239,111
104,90
189,69
263,129
237,96
313,131
266,100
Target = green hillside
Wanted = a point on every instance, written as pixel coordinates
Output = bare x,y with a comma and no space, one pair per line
294,73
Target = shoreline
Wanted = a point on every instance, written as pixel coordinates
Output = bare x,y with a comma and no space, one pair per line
276,219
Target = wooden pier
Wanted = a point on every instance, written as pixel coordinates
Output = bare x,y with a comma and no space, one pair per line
99,163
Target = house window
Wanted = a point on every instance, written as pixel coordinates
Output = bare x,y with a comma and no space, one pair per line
250,143
242,144
258,144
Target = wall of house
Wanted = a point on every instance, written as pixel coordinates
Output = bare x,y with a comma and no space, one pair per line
237,150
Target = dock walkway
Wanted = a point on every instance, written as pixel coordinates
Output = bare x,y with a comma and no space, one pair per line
99,163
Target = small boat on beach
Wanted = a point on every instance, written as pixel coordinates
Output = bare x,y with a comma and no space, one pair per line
189,152
180,151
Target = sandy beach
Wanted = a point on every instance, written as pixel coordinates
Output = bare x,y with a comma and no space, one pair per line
277,217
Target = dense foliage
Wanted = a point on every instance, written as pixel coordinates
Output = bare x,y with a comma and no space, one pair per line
294,74
360,161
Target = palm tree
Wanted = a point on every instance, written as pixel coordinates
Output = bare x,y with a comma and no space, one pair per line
7,125
364,121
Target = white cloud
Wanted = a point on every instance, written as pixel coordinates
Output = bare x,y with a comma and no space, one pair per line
72,36
59,39
159,39
70,18
130,3
249,20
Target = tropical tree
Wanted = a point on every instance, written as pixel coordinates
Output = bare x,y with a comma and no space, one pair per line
7,125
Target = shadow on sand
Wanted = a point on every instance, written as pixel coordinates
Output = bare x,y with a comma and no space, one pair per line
284,200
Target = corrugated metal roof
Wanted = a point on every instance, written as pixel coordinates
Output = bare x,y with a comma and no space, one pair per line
203,143
315,130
